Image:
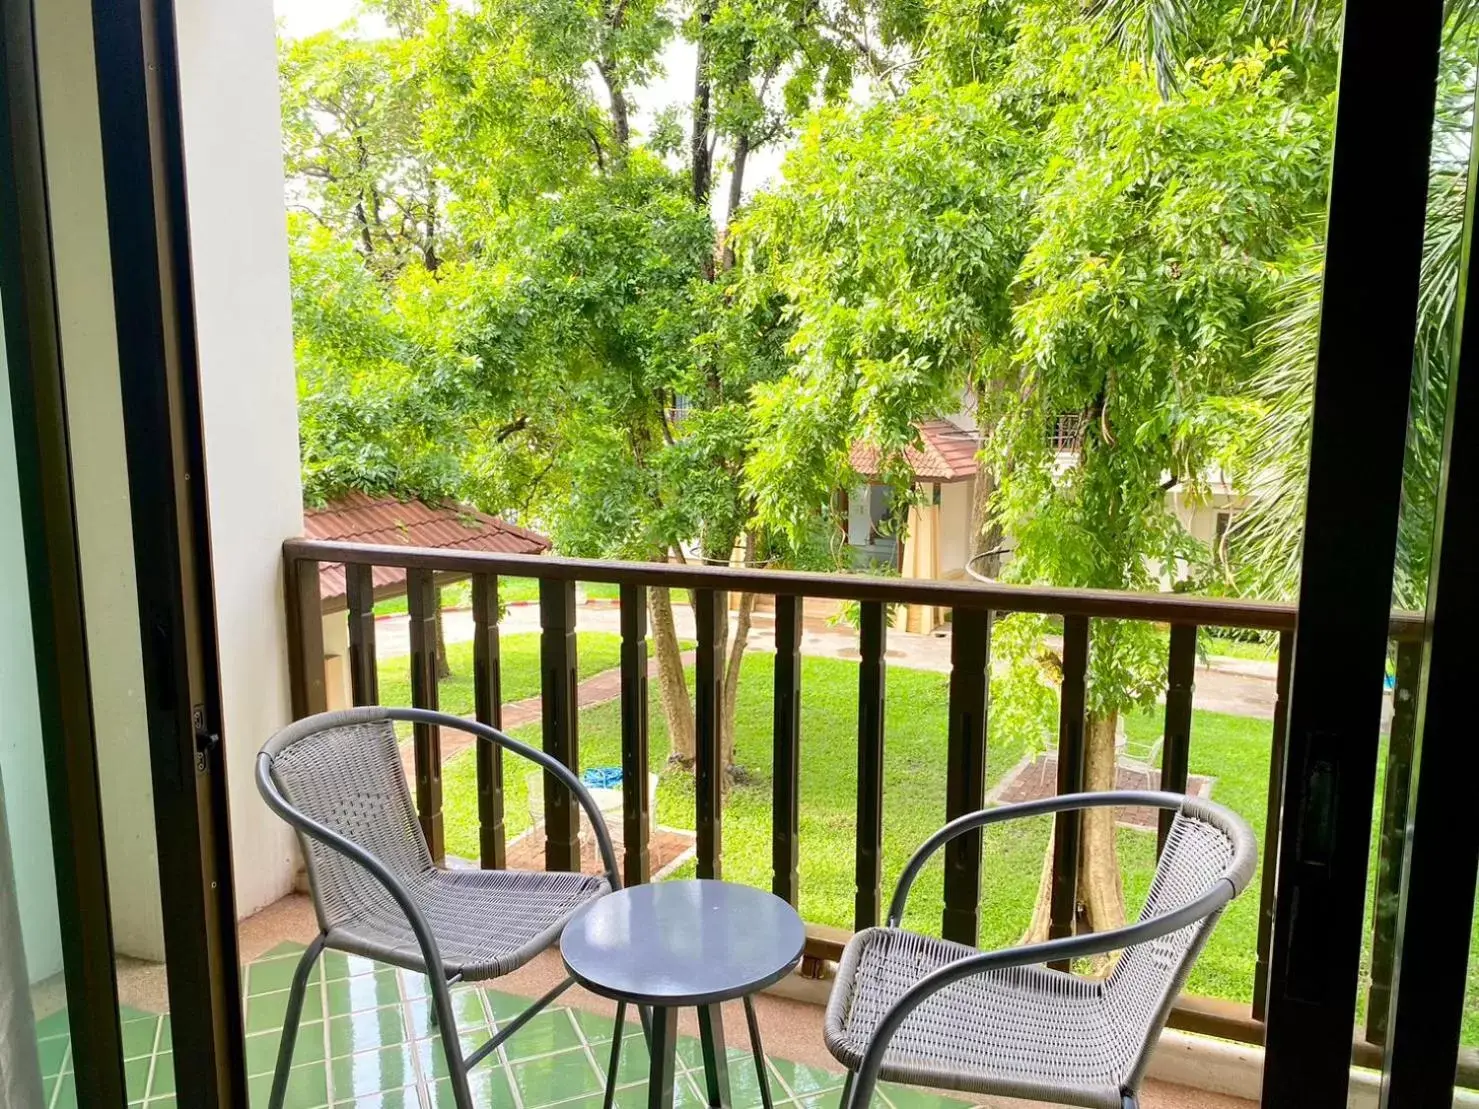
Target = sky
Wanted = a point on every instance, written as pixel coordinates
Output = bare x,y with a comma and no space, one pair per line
298,18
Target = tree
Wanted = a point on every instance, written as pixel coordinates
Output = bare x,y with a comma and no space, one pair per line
580,290
1146,240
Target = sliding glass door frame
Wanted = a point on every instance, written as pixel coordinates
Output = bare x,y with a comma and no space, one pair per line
1435,913
27,289
149,241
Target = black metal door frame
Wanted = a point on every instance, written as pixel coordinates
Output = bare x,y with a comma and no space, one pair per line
149,242
1435,914
48,522
1379,183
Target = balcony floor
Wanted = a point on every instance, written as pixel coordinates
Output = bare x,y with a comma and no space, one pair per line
365,1041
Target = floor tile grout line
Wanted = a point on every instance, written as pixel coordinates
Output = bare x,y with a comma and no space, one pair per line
590,1053
325,1031
423,1090
504,1063
153,1059
56,1091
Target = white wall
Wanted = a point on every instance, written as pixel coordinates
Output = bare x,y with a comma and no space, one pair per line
22,771
955,524
233,164
89,343
338,693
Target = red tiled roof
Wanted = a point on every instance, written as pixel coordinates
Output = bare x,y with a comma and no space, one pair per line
358,518
946,453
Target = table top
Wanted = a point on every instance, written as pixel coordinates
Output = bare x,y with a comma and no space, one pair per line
683,943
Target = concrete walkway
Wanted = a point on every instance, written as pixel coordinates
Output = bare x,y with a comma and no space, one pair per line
1239,687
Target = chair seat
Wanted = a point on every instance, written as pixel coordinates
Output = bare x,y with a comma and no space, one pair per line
1026,1032
486,922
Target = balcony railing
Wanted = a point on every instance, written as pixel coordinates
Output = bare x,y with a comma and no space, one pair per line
974,607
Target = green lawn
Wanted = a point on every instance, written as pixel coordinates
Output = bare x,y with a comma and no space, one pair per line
1232,750
595,652
510,591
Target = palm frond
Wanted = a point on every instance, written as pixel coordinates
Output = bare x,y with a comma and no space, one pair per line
1156,30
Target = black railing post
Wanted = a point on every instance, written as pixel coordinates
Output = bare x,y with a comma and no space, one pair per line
872,643
965,773
636,805
560,692
786,760
1068,826
1394,807
421,608
487,678
1176,745
709,615
1273,809
359,591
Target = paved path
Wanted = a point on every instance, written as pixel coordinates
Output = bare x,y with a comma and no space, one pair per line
605,686
1240,687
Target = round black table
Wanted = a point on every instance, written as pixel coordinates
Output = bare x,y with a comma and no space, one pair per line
667,945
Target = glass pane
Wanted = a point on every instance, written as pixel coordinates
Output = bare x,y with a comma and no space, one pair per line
34,1048
1432,373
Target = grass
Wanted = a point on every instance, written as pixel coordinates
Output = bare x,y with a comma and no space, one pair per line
511,591
519,655
1232,750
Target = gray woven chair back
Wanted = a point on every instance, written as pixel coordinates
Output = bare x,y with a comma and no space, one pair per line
1202,849
348,777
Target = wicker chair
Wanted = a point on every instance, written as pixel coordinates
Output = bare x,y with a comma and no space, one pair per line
909,1008
337,779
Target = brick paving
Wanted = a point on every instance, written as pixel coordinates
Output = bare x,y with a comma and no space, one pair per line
605,686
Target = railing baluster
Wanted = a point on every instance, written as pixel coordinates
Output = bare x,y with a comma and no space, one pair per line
1176,748
872,642
1397,791
786,760
965,773
305,637
709,613
359,591
427,738
487,679
1068,826
636,805
1272,809
561,715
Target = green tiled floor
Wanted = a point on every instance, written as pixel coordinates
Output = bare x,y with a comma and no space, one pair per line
365,1042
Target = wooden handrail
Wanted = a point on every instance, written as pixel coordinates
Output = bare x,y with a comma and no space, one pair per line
974,607
1165,608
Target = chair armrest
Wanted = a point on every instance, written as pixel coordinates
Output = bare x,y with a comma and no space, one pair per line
971,821
1070,947
351,850
549,763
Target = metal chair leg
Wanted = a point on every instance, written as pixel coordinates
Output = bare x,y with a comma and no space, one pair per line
843,1102
290,1023
618,1032
759,1053
441,997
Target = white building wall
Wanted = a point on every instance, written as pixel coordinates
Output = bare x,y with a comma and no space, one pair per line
955,526
89,350
233,164
22,770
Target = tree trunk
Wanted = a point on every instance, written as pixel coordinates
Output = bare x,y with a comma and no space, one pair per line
743,619
701,162
1100,889
986,532
676,707
736,195
1101,895
444,668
